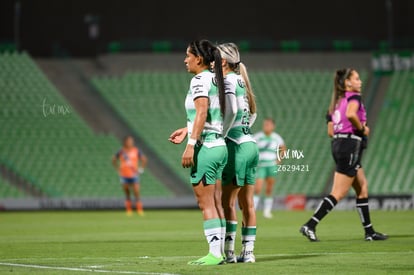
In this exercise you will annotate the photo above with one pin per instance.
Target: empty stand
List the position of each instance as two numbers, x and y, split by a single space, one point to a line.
47 143
389 161
7 190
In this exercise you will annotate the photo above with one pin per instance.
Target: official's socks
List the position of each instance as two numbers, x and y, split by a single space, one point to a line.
326 205
363 210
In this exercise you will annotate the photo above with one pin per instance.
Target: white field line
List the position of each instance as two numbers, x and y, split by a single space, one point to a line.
82 269
122 259
175 257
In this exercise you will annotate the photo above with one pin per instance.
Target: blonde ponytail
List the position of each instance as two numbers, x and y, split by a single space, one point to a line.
249 90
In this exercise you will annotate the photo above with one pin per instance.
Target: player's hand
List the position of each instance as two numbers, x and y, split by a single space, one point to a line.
188 156
366 131
178 135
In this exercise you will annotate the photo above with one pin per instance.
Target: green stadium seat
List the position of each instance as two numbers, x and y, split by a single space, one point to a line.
244 45
114 47
7 190
59 154
342 45
290 45
161 46
390 167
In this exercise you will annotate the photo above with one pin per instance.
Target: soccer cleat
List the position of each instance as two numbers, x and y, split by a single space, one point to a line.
376 236
267 215
210 259
129 213
309 233
246 257
230 257
140 213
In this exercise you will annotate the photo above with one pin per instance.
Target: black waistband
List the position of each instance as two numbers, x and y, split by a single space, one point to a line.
347 135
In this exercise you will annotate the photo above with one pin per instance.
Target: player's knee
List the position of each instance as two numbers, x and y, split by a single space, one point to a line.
338 195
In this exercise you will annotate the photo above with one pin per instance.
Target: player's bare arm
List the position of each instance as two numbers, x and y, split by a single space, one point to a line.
201 106
115 162
178 136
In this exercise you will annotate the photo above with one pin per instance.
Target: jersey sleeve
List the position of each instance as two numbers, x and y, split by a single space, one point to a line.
199 87
230 87
355 98
279 140
328 117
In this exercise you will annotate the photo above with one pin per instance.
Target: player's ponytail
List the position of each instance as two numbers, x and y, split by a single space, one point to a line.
210 54
339 86
230 52
218 70
249 90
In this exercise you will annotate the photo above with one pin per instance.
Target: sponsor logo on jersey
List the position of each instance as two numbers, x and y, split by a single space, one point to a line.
214 81
241 83
197 86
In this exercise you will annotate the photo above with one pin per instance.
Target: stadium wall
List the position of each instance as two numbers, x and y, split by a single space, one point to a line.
290 202
85 27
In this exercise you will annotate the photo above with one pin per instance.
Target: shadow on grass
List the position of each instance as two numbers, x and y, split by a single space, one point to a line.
286 257
402 236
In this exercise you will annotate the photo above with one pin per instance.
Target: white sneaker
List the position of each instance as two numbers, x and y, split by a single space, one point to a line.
246 257
267 215
230 257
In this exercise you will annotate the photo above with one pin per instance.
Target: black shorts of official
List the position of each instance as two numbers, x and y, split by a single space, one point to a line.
347 153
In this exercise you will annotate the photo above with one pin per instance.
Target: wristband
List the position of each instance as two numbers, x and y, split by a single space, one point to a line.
192 141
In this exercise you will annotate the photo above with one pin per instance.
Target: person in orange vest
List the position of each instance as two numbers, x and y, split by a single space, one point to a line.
130 163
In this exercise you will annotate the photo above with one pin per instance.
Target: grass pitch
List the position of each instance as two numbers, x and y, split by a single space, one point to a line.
163 242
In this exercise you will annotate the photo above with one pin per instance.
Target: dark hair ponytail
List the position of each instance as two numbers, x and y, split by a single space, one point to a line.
209 53
218 70
339 86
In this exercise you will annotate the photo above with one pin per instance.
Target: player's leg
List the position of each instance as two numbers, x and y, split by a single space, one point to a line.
139 207
258 188
268 202
207 169
247 175
128 203
219 206
360 186
229 199
204 194
246 202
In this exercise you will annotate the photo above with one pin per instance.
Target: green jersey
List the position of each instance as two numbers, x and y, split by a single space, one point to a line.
239 132
268 146
203 85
